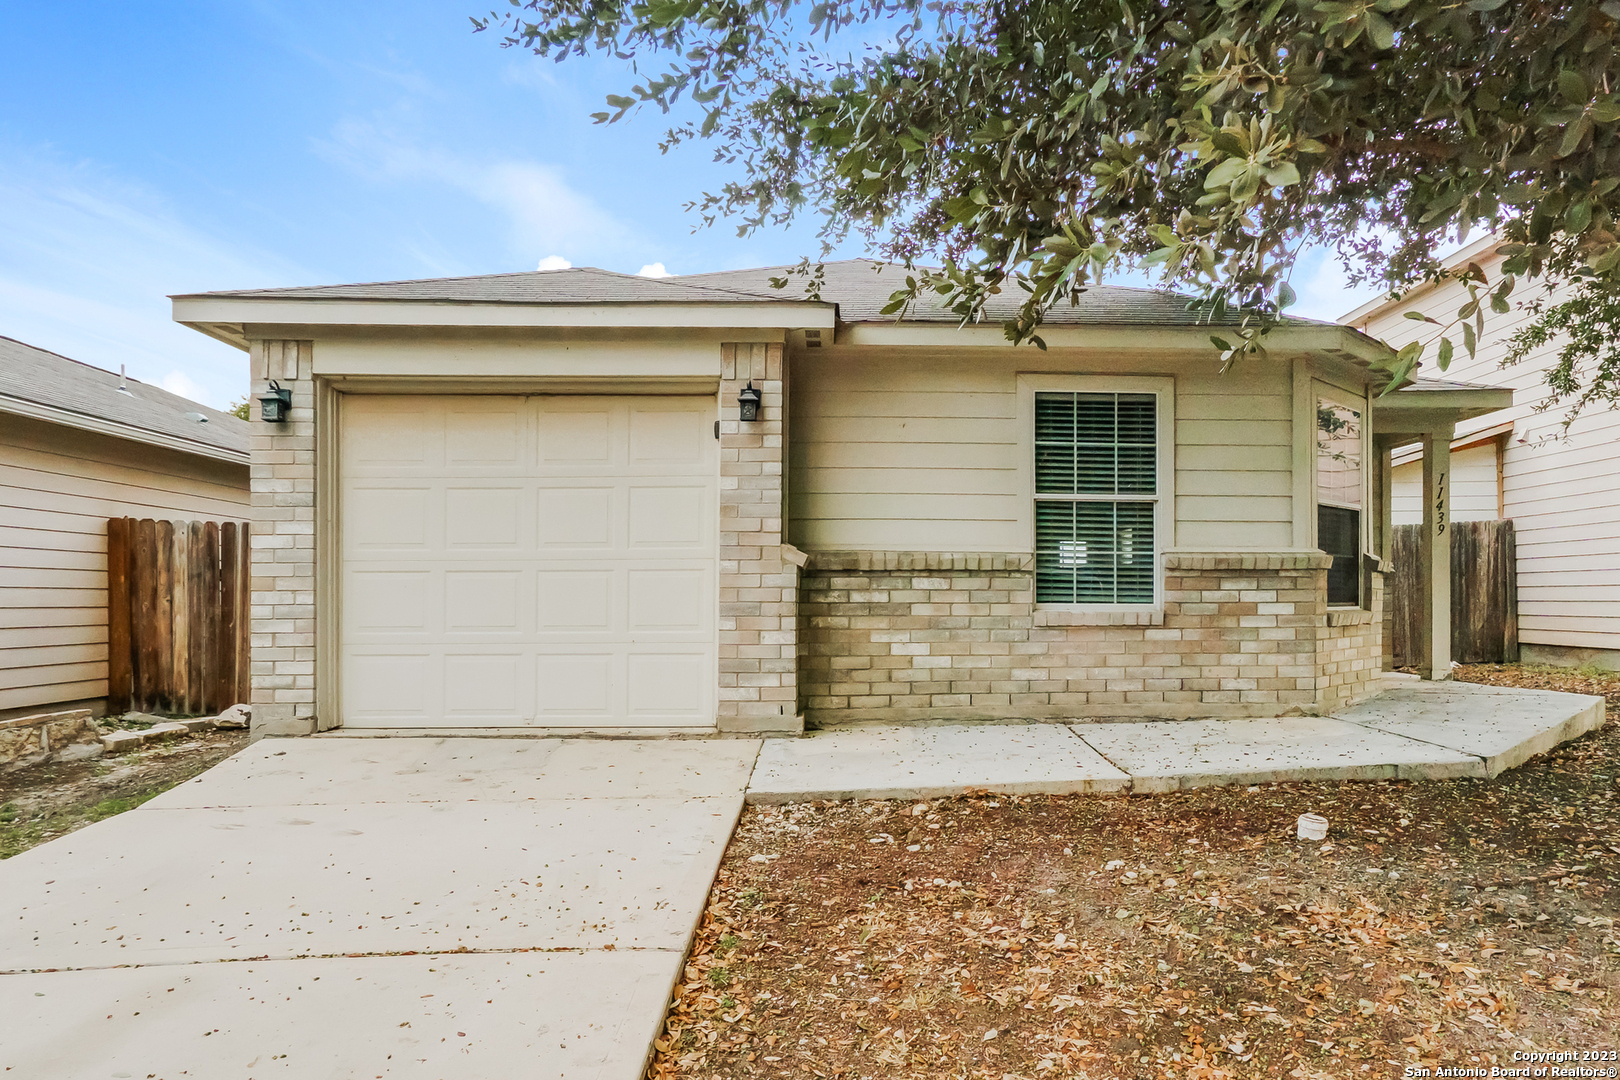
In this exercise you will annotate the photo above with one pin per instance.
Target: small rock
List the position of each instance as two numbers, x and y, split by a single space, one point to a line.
167 730
1115 864
119 742
237 716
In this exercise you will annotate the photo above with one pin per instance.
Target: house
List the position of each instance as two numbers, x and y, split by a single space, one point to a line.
537 500
79 445
1563 493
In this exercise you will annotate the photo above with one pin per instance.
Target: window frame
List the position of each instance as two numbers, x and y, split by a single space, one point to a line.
1323 392
1163 498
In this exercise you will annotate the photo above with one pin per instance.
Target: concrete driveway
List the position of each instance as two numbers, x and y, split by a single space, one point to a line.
347 907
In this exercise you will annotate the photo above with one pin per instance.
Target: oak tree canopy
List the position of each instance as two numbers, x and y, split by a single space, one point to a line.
1039 144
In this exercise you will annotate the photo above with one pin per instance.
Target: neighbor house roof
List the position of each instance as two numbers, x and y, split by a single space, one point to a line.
43 385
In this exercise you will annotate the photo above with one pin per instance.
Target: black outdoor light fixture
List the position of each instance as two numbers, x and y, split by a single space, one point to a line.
275 405
748 402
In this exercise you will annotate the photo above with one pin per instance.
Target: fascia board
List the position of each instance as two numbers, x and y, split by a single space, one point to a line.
33 410
236 311
1342 342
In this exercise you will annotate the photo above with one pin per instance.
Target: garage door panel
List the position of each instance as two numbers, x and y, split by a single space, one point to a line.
667 436
388 601
668 687
669 600
483 518
377 433
575 687
483 601
571 436
670 516
388 518
483 437
539 561
486 689
390 688
575 517
575 600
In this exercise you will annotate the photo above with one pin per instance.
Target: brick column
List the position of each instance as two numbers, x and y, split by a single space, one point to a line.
758 586
283 489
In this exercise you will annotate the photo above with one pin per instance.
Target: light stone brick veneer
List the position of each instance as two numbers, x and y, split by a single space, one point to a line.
900 636
283 490
758 587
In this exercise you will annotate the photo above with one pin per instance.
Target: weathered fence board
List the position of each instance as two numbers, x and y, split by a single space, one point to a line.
177 615
1484 593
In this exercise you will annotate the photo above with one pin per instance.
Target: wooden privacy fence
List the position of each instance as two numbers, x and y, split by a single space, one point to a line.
1484 593
177 615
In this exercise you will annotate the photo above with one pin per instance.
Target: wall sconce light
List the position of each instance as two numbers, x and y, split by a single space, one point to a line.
748 403
275 405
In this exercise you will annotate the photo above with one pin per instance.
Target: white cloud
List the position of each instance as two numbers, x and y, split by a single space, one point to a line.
542 210
554 262
86 258
178 382
653 270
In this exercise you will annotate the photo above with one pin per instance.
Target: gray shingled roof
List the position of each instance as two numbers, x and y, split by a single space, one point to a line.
860 288
580 285
41 377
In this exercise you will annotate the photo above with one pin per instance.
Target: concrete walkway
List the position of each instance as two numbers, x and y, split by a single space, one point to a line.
1413 731
362 907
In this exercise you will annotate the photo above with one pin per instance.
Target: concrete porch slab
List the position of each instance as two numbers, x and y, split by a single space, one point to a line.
1180 755
540 1014
1504 726
930 760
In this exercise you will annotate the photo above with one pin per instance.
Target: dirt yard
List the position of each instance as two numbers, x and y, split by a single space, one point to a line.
1187 936
42 802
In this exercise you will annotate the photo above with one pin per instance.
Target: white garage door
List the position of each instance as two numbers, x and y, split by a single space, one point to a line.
528 561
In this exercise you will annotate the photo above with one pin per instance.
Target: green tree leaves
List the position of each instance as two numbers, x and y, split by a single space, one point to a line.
1046 143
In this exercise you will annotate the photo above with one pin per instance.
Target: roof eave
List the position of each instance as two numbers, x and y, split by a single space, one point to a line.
34 410
225 317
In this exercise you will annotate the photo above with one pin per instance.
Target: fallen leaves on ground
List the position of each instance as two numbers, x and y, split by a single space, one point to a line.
1185 936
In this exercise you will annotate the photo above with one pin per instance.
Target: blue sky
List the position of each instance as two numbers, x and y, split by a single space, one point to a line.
149 149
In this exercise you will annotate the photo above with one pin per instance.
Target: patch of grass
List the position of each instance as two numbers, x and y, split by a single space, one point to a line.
20 831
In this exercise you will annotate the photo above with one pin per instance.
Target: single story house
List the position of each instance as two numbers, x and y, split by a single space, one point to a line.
1562 489
547 500
79 445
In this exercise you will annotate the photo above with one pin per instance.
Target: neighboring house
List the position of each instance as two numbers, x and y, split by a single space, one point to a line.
1562 494
530 500
79 445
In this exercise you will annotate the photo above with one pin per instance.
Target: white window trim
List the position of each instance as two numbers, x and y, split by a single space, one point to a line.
1164 499
1322 391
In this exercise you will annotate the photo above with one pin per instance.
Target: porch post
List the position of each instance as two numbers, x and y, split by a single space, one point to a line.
1434 555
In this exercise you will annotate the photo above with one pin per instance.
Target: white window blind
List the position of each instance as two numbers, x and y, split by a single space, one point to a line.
1096 486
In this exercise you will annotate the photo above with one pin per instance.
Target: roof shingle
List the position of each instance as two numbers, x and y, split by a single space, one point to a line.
38 376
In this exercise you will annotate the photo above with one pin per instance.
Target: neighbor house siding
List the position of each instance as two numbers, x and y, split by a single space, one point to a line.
922 454
1562 494
58 487
1473 487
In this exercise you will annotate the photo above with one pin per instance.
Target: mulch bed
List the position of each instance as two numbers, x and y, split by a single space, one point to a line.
1186 935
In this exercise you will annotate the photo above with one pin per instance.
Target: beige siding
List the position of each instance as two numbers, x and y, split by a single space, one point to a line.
1563 496
920 451
58 487
1473 487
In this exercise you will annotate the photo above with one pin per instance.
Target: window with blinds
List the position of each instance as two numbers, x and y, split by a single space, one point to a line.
1096 489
